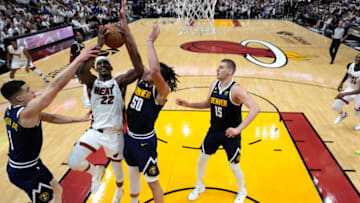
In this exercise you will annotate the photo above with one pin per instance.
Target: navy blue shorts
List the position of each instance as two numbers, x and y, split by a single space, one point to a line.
35 181
232 146
142 153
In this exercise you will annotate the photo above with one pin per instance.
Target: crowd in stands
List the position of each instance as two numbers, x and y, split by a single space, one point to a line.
18 18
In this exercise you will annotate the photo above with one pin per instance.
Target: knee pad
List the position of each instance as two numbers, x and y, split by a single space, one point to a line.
337 106
134 179
118 171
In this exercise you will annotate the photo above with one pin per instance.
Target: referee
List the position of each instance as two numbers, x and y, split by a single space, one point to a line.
337 37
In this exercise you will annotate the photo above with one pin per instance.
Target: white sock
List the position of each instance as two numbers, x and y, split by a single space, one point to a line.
39 73
239 177
201 168
11 79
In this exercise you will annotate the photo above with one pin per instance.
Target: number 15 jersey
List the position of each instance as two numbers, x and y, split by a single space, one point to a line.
107 104
224 112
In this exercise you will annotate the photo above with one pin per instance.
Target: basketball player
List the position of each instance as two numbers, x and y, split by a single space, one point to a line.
225 99
140 138
23 124
350 93
19 57
75 50
107 102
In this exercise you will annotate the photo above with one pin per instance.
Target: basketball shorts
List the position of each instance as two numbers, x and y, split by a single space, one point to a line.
142 153
111 140
20 64
35 181
232 146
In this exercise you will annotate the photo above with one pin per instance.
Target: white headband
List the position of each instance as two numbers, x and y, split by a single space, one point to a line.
100 58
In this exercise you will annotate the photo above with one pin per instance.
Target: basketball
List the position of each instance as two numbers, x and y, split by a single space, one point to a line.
114 39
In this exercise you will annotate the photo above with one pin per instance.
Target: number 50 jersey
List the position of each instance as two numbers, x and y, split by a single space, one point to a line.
107 104
143 109
224 112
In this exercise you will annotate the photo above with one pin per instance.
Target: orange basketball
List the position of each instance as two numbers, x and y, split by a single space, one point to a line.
114 39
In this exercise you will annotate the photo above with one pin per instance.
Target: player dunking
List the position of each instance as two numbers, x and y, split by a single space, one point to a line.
351 92
140 138
23 124
18 57
225 100
106 97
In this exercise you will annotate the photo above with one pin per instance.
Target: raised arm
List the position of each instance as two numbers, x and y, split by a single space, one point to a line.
240 96
161 85
30 116
136 73
199 105
85 76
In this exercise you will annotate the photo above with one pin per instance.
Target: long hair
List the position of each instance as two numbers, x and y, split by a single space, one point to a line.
169 76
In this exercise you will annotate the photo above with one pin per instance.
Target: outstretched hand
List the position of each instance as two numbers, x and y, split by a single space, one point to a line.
155 32
87 53
181 102
122 11
101 36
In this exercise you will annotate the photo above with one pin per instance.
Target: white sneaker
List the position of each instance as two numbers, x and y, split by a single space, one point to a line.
241 196
118 195
99 172
357 127
196 192
340 118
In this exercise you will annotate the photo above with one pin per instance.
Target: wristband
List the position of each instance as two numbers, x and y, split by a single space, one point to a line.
344 94
150 40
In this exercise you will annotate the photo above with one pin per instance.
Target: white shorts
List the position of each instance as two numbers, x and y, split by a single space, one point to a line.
20 64
111 140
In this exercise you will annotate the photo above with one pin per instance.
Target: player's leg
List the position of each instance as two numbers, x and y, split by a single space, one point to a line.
134 171
86 145
33 68
12 74
114 147
232 147
147 161
357 110
135 183
338 105
208 147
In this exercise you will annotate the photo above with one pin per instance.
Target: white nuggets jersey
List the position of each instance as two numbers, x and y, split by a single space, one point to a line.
107 104
353 77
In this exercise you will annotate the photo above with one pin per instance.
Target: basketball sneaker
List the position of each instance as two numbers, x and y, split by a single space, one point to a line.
357 127
241 196
118 195
99 172
196 192
340 118
46 80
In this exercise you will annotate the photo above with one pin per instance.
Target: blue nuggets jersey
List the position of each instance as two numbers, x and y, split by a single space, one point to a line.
143 109
224 113
24 143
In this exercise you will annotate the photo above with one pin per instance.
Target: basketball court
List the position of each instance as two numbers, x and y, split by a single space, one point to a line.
292 152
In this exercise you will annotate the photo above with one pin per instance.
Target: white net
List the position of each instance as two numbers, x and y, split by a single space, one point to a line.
196 16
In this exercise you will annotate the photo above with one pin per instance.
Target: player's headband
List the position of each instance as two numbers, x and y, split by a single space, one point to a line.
100 58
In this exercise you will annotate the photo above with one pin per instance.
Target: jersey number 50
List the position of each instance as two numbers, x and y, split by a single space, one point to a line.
136 103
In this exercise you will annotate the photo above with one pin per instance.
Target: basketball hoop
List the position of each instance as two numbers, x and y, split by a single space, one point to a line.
196 16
